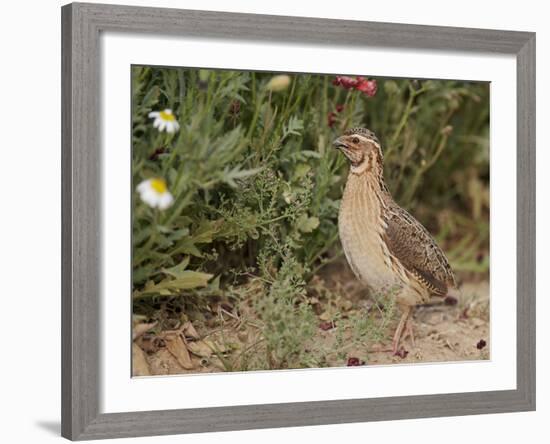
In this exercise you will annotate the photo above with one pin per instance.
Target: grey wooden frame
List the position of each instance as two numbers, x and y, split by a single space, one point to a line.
81 232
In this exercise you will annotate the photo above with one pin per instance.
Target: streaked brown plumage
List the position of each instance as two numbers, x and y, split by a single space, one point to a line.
386 247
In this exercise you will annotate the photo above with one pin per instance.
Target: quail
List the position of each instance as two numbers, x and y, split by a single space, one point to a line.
387 248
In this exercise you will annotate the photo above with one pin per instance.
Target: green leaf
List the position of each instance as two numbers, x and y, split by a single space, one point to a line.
139 274
229 176
178 270
178 234
295 126
141 235
186 246
205 232
307 224
187 280
151 98
301 170
309 153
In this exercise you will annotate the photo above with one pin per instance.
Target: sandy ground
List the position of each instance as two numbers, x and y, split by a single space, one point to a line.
443 332
447 333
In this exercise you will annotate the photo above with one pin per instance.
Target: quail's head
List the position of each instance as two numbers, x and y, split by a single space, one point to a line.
359 145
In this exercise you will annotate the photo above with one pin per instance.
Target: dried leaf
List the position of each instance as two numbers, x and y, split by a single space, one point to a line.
190 331
215 346
140 329
200 349
346 304
140 367
177 347
243 336
150 343
138 319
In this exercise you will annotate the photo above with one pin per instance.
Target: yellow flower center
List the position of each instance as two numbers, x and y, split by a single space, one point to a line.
159 185
167 115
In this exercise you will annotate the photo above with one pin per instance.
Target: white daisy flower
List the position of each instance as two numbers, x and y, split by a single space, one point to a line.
165 120
154 193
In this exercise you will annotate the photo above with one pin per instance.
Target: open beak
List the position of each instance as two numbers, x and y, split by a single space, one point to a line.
339 143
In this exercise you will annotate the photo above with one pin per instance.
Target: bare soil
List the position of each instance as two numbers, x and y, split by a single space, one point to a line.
447 333
444 331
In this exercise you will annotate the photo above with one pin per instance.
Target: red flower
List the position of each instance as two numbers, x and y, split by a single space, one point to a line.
369 87
339 108
345 81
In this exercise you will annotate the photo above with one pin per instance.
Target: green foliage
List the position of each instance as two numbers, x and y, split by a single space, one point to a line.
256 183
287 323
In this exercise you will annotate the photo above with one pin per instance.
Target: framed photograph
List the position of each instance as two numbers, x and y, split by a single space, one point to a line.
278 221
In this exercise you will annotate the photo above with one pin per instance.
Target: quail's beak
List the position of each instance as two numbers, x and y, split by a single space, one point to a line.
339 143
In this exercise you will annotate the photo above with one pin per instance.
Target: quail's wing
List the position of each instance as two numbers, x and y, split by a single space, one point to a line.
415 248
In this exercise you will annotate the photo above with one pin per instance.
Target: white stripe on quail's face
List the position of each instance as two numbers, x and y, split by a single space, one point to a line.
358 148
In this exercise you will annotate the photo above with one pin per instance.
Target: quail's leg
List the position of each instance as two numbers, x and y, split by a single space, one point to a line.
409 330
400 328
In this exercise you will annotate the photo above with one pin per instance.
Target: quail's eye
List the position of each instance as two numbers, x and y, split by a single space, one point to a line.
355 140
